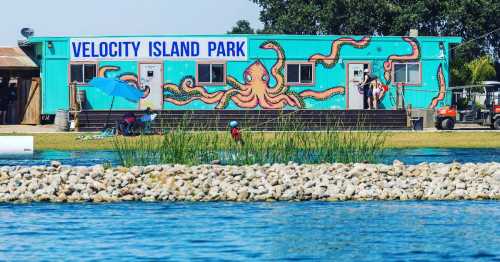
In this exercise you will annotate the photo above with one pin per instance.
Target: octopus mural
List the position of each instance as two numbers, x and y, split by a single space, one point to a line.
413 57
442 88
255 90
131 78
330 60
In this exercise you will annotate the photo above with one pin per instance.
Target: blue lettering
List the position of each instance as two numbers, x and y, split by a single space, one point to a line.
125 45
112 49
212 46
76 50
230 49
86 49
185 49
93 50
220 49
175 49
164 48
135 46
103 49
157 49
239 48
195 49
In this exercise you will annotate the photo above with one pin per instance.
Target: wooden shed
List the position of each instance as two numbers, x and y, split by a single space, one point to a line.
21 74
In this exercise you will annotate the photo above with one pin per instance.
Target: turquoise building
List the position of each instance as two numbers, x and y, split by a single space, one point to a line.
248 72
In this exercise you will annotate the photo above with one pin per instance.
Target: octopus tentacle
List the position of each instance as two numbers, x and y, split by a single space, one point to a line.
245 104
330 60
104 70
442 88
283 97
322 95
277 69
243 98
224 100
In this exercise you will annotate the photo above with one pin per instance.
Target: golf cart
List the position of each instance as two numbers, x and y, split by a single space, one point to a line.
475 104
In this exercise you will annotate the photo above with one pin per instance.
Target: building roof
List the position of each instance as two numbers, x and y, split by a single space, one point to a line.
15 58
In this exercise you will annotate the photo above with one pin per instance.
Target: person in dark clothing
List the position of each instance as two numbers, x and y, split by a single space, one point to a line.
4 99
126 127
367 91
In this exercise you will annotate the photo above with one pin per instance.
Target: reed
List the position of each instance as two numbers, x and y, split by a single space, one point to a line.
186 144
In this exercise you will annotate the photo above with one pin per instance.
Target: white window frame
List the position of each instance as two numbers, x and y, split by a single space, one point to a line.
83 64
419 82
211 63
300 63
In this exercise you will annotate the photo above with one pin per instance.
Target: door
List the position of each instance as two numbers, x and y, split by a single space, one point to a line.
355 77
151 77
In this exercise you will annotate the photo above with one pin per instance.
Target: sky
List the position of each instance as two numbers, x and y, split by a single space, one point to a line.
122 17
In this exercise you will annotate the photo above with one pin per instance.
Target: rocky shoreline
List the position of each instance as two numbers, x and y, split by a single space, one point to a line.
282 182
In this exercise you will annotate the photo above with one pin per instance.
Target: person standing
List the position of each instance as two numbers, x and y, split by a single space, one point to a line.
4 99
367 94
236 133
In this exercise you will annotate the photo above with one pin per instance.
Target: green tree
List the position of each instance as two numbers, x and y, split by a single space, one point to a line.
470 19
242 27
481 69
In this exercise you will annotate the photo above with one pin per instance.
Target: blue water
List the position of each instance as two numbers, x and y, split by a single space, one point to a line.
312 231
409 156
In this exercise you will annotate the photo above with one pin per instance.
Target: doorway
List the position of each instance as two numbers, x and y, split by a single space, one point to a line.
151 77
355 97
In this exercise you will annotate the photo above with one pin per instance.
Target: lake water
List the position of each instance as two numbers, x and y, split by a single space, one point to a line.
409 156
276 231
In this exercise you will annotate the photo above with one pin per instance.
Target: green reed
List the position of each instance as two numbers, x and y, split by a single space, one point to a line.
182 145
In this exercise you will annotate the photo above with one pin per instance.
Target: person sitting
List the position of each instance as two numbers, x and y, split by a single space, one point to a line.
236 133
146 120
128 123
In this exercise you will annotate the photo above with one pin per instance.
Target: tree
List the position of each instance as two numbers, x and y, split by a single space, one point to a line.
481 69
470 19
242 27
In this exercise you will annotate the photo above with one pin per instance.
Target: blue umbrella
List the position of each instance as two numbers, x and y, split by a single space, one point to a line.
115 87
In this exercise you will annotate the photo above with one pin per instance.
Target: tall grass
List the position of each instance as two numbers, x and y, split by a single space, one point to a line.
190 144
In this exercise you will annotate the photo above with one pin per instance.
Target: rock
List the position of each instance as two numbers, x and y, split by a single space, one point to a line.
136 171
349 190
55 164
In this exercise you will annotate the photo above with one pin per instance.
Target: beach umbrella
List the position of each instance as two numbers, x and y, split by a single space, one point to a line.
115 87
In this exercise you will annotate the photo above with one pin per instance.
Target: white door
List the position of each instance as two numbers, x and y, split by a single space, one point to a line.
151 78
355 77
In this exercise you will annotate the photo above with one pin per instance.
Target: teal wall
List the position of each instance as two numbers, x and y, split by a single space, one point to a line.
55 63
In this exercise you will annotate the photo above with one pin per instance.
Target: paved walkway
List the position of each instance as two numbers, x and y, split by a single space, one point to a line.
27 129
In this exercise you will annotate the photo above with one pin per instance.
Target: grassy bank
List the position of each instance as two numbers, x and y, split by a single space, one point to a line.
393 140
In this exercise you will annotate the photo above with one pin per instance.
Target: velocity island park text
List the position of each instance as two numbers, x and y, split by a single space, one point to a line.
83 49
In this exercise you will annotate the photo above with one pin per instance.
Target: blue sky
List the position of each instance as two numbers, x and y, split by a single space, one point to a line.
122 17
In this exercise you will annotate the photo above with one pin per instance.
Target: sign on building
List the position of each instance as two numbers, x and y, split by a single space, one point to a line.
163 48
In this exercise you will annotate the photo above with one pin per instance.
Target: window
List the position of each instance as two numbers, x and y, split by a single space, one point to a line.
211 73
299 74
82 73
408 73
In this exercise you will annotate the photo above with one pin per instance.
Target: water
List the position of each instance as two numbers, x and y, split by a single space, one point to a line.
314 231
409 156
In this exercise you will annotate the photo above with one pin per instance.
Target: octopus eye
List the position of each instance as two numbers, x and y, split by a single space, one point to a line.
265 77
248 77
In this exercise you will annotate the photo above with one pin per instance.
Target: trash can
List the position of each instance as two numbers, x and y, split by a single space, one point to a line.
417 123
61 120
